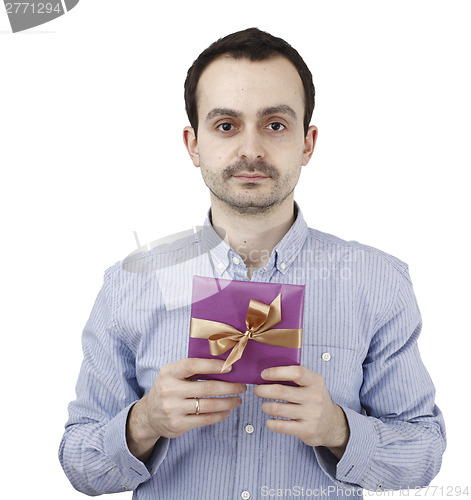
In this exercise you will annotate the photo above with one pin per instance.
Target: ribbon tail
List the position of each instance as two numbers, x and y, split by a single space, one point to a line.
236 353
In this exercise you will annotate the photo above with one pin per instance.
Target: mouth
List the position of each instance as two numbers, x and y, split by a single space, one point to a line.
250 177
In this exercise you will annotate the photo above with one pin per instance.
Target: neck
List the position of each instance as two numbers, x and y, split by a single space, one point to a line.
253 236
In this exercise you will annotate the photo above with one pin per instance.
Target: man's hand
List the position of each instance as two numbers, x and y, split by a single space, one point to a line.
314 418
169 408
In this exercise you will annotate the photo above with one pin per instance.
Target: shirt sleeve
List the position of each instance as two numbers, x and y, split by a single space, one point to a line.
93 451
398 440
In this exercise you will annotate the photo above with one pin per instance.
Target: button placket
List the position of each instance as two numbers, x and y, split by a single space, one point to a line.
247 441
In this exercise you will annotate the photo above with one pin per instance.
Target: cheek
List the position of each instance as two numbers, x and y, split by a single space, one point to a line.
214 159
289 156
290 145
212 151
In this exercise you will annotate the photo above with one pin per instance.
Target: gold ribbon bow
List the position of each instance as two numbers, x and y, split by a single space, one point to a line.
259 321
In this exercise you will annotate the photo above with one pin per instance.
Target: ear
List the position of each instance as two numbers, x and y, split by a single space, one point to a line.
191 144
309 144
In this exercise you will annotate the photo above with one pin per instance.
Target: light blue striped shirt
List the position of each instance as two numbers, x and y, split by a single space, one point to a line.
361 324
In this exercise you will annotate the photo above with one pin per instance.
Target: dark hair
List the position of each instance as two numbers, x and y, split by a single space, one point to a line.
255 45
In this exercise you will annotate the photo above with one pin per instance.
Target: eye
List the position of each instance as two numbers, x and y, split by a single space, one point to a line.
276 126
225 127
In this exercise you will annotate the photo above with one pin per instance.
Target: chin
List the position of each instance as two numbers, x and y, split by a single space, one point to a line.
251 206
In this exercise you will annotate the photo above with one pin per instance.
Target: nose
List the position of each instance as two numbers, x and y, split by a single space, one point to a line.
251 146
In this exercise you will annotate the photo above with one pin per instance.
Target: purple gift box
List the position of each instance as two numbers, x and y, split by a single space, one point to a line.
257 325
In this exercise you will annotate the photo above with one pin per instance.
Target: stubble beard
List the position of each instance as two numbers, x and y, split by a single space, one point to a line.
246 203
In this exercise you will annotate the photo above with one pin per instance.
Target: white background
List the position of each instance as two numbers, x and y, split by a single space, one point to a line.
91 119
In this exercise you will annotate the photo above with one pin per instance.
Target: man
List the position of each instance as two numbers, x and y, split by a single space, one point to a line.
362 413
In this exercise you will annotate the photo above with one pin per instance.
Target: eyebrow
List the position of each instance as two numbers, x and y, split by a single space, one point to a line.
271 110
214 113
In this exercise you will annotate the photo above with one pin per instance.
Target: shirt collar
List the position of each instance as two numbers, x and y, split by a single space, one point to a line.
292 242
218 249
282 256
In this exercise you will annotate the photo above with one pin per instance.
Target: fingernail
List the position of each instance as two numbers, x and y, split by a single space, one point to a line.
226 370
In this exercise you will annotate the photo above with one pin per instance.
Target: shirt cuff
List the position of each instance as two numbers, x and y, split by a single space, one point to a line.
363 441
134 472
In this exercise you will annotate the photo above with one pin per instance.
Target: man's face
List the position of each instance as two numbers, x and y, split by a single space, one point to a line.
251 143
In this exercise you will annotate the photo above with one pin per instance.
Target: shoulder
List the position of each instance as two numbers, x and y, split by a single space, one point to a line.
332 248
159 254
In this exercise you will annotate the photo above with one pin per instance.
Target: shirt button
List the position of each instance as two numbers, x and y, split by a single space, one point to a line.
220 265
245 495
249 429
236 261
283 266
326 356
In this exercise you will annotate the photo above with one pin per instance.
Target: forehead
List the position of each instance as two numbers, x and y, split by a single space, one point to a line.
249 85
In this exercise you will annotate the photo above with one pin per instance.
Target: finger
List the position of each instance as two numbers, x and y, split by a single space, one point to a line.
212 388
187 367
291 427
282 410
281 392
298 374
203 419
211 405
